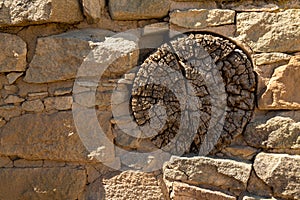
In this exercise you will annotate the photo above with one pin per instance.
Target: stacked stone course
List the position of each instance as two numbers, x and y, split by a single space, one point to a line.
43 44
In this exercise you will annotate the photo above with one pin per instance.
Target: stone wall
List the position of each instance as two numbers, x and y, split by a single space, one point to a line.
43 45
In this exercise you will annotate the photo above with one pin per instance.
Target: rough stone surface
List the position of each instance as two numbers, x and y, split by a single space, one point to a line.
238 151
5 162
134 10
182 191
10 111
201 18
225 174
51 137
270 58
270 32
13 99
70 49
24 12
132 185
12 77
33 106
281 172
256 198
93 9
59 103
67 50
41 183
258 187
282 88
12 52
275 133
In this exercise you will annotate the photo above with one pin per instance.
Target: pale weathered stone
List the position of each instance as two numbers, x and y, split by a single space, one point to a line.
281 172
13 99
37 95
201 18
222 173
282 88
135 10
60 88
5 162
70 49
41 183
22 163
62 91
275 133
270 32
270 58
67 50
10 111
93 9
54 136
182 191
58 103
33 106
12 52
132 185
12 77
24 12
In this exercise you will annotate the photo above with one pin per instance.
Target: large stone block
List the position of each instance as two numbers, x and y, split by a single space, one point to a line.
16 12
93 9
270 32
275 133
282 88
138 9
132 185
41 183
201 18
281 172
42 136
12 53
59 57
225 174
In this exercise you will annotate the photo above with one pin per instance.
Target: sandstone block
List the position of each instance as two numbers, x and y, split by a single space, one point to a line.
135 10
175 5
41 183
274 133
33 106
13 99
59 103
132 185
67 50
93 9
12 77
270 58
70 49
281 172
10 111
181 191
270 32
54 137
12 52
282 88
24 12
201 18
222 173
5 162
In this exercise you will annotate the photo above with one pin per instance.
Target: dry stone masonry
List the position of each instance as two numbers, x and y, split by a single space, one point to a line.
243 56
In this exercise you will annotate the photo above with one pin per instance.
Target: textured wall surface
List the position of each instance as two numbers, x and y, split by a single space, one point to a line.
44 43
